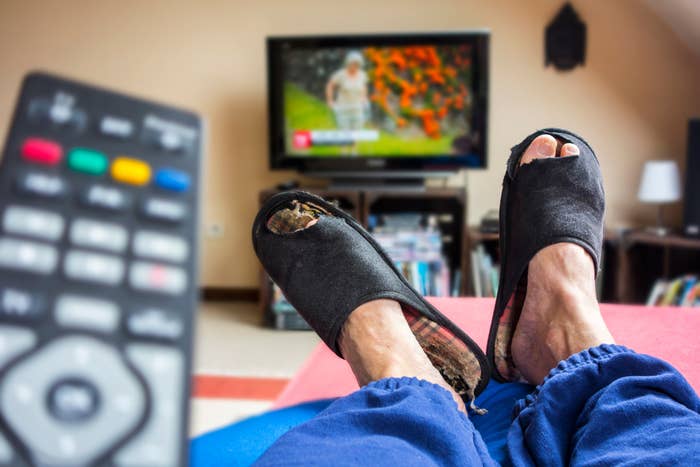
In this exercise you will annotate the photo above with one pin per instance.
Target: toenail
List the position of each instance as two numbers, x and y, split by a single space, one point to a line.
547 147
570 150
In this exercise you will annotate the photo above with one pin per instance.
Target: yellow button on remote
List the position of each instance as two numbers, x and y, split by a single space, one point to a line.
131 171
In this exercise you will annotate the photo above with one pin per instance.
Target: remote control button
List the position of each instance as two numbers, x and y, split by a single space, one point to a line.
73 400
87 161
93 267
87 313
158 443
155 245
42 185
105 197
20 304
42 151
98 235
6 452
27 256
155 323
161 209
172 180
151 277
170 141
32 222
131 171
59 111
14 341
168 135
61 427
116 127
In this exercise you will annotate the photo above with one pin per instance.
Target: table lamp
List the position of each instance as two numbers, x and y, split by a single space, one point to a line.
660 185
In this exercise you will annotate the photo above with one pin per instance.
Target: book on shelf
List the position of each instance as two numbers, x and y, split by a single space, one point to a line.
415 244
681 291
476 274
485 272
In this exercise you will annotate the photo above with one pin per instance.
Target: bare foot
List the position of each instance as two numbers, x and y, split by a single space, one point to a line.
560 315
377 343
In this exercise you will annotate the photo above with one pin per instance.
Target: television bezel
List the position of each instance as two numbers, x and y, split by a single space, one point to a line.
279 159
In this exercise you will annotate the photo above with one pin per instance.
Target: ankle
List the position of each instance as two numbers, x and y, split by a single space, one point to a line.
576 324
560 316
377 342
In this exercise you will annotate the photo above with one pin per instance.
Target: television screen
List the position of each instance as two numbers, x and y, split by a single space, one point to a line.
416 101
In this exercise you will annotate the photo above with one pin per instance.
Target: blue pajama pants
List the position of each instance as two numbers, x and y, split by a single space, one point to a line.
604 406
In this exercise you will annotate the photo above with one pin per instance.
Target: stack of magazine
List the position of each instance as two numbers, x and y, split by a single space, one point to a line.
415 244
485 273
681 291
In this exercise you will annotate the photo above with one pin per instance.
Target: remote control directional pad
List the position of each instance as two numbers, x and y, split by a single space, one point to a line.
72 400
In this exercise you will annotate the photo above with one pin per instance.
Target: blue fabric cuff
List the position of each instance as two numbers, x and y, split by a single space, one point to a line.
390 384
393 384
594 355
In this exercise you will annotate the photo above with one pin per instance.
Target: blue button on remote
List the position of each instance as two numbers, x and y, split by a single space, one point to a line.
172 180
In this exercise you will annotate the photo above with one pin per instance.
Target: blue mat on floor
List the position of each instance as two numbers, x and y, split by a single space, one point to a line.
241 443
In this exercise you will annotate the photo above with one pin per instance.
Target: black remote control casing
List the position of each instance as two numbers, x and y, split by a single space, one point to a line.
98 277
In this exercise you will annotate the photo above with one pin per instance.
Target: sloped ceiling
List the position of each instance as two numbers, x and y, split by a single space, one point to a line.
683 17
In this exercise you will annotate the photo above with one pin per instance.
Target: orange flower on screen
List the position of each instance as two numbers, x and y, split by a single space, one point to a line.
419 85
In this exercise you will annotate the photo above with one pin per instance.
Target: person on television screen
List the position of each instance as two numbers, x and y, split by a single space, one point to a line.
346 94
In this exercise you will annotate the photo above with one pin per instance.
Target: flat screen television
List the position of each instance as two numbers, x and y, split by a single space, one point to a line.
387 105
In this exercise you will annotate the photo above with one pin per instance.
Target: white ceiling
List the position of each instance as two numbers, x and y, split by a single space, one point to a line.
683 16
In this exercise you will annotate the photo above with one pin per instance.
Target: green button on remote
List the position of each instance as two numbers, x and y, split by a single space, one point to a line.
88 161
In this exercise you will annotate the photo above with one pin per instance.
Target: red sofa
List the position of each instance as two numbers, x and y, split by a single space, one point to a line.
670 333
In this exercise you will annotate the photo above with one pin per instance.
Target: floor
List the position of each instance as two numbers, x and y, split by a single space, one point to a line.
239 366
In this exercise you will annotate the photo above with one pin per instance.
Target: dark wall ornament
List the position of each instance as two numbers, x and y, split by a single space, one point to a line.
565 40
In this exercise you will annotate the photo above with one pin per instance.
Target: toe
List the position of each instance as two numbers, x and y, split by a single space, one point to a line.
569 149
541 147
293 218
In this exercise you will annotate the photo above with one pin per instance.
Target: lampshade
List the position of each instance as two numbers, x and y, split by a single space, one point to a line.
661 182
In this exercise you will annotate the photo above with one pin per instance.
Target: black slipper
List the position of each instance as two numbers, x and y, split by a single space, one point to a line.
327 265
546 201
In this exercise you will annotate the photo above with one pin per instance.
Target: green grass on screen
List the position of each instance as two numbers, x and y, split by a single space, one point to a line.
306 112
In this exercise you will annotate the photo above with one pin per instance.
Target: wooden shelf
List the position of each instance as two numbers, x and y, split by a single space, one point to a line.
671 240
633 260
475 235
643 257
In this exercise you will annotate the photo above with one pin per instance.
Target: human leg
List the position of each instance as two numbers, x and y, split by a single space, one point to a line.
597 403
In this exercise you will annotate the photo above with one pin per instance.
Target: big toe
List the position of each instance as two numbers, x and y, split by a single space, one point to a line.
541 147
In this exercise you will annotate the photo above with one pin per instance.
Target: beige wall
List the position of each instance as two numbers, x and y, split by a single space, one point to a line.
631 100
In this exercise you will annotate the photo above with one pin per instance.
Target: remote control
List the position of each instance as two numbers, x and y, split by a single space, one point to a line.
98 255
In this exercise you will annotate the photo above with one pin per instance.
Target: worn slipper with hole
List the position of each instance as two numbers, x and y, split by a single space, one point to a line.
546 201
327 265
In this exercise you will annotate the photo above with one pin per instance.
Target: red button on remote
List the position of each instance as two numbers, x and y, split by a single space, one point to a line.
42 151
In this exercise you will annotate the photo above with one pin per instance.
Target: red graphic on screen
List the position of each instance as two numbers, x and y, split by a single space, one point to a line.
302 139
